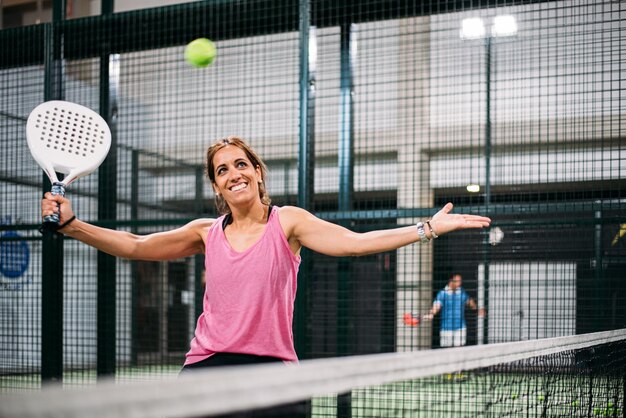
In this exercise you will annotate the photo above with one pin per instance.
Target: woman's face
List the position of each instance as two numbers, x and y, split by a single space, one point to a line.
235 177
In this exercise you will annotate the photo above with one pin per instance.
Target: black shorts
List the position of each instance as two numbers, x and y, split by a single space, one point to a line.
229 359
293 410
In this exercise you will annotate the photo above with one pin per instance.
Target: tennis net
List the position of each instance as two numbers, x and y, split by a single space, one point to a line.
575 376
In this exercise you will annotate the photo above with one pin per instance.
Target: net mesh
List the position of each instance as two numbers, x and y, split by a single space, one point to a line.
578 376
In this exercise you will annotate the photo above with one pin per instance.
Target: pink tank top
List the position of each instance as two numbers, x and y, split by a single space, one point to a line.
249 296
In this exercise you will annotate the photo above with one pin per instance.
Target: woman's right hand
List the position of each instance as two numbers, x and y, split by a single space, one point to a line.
51 204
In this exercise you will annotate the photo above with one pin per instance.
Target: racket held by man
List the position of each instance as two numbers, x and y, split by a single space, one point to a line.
414 319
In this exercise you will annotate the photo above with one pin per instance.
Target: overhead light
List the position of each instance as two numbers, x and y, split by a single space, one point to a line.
312 49
472 28
504 26
473 188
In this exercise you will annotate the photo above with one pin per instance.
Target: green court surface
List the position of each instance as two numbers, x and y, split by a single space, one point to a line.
78 378
486 395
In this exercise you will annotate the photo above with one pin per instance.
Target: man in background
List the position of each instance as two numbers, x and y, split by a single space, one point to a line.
451 302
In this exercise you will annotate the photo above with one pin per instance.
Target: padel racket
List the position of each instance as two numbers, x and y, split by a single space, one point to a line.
68 138
413 319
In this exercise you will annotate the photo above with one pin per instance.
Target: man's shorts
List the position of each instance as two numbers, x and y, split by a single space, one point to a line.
455 338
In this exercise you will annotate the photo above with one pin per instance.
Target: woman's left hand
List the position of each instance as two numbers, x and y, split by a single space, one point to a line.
444 221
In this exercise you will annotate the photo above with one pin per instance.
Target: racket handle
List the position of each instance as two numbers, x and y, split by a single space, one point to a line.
53 220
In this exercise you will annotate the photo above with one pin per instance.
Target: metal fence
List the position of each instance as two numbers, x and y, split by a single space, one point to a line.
370 114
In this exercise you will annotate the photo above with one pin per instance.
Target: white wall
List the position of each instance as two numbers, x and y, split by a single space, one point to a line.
527 301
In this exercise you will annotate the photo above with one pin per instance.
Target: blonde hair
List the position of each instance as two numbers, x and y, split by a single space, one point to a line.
220 203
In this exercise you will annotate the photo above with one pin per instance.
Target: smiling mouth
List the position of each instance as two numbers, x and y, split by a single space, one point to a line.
238 187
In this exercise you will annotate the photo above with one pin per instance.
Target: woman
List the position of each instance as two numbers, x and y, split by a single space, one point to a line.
252 256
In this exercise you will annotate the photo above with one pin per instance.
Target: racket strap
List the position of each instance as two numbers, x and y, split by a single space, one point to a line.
66 223
47 226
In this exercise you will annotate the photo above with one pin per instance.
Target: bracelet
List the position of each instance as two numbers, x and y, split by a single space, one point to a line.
73 218
432 231
421 232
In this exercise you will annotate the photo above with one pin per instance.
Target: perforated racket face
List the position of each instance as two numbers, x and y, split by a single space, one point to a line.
67 138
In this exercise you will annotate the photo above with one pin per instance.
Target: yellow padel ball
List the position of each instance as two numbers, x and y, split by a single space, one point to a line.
200 52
